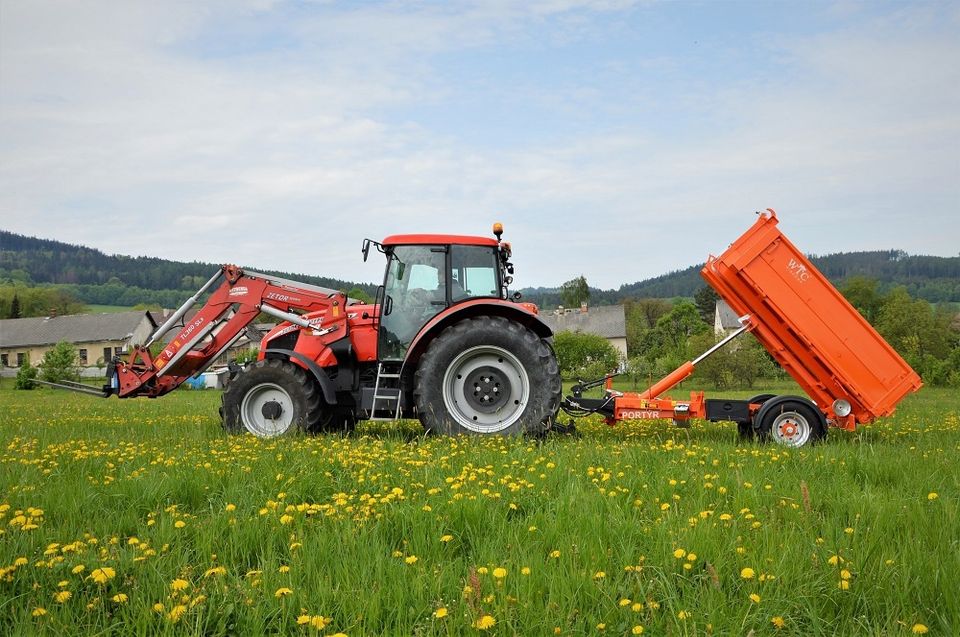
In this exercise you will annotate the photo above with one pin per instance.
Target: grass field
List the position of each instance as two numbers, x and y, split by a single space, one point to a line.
142 517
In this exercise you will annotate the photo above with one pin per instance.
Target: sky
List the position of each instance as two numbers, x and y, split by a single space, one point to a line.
614 139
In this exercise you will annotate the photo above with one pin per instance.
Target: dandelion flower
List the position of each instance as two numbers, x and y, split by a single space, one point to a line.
79 568
919 629
103 574
747 573
411 559
119 598
499 572
754 598
601 627
624 602
158 608
440 613
176 613
679 554
446 538
303 620
599 575
62 596
683 615
525 570
179 585
282 592
230 507
554 554
933 495
778 622
637 630
216 570
319 622
179 524
39 611
485 623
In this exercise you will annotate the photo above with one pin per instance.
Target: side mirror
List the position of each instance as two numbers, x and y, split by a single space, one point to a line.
366 249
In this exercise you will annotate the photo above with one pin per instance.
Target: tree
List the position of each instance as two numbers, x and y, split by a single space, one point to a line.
60 363
641 317
584 355
706 301
15 307
25 377
668 340
575 292
862 294
356 293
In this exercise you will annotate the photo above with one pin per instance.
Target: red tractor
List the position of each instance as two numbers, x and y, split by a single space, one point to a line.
443 342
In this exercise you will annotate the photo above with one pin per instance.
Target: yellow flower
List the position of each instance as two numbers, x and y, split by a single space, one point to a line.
411 559
179 524
179 585
282 592
624 602
843 585
79 568
833 559
230 507
484 623
637 630
158 608
446 538
176 613
679 554
599 575
601 627
119 598
754 598
919 629
499 572
440 613
637 607
216 570
844 574
283 569
525 570
778 622
931 496
747 573
62 596
319 622
683 615
39 611
483 570
302 620
103 574
555 554
691 557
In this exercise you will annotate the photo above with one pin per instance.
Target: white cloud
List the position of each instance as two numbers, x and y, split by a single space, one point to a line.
279 136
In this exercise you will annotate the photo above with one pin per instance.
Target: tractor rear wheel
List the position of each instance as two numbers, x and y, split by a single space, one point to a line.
488 375
270 398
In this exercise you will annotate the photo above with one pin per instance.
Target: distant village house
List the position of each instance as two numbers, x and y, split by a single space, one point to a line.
608 321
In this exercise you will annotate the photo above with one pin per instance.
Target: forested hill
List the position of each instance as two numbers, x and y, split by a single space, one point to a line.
935 279
98 278
95 277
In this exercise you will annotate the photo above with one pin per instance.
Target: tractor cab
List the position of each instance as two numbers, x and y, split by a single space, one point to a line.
428 273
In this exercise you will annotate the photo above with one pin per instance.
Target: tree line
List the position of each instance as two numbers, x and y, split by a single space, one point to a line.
663 334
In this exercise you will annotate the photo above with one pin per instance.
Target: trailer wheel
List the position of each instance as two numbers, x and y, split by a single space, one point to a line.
790 421
745 429
487 375
270 398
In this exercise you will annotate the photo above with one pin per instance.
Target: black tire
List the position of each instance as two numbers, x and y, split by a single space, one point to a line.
791 421
270 398
745 429
513 374
333 422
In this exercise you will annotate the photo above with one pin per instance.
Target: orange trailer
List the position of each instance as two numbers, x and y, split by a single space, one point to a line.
851 374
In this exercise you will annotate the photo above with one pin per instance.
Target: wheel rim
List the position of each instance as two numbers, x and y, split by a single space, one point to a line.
267 410
486 389
790 429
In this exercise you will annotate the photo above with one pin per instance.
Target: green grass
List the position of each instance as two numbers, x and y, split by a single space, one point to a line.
114 478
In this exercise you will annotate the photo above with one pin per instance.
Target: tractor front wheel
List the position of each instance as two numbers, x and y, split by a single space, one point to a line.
487 375
270 398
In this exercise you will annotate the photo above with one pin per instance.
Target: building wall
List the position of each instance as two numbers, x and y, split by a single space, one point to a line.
35 354
621 345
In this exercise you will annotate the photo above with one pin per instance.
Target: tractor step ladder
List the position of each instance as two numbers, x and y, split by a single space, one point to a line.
387 391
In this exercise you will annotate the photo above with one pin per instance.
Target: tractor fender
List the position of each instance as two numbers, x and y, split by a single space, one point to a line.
326 385
469 309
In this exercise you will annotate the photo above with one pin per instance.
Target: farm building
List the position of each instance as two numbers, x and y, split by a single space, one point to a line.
724 319
608 321
97 337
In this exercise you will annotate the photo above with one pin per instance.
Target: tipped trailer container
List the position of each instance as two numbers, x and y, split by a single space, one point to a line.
850 373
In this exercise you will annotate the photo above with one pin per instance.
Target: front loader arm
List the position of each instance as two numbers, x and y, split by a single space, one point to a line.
222 320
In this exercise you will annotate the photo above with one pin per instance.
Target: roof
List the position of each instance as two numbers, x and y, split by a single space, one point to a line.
608 321
728 318
73 328
438 239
